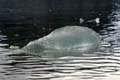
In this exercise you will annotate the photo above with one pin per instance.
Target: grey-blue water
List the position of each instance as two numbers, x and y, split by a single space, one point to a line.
101 65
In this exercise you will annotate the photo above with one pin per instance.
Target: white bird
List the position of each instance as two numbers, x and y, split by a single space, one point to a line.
96 20
81 20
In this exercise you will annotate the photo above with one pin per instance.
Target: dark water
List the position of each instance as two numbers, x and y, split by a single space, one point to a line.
102 65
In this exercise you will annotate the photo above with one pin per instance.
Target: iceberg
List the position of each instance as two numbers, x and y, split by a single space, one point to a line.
65 39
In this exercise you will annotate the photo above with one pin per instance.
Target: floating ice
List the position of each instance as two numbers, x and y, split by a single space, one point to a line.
68 39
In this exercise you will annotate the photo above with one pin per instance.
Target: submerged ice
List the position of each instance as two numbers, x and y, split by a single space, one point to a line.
68 38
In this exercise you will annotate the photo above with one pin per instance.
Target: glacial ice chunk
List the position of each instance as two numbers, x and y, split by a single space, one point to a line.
68 38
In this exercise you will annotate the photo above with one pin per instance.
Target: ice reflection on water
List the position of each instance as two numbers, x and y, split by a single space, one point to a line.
103 65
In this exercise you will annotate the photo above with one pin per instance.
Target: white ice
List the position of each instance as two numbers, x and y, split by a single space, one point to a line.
68 38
